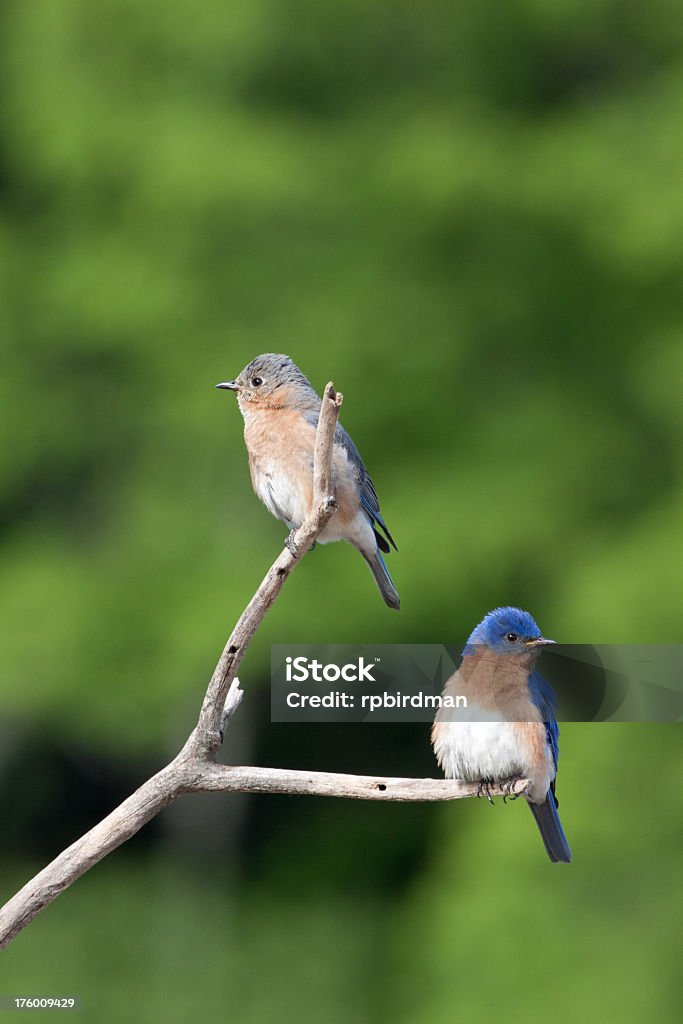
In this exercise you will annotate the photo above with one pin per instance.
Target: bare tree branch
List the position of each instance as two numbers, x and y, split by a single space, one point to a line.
221 778
194 769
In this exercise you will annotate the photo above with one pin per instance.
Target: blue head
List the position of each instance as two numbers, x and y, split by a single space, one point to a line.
507 631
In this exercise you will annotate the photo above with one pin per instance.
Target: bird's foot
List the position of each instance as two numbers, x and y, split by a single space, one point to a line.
292 545
485 788
290 542
508 786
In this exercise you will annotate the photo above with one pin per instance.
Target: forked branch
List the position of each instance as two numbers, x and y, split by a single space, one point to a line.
194 769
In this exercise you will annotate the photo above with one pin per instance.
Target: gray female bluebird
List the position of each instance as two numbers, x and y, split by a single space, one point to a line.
281 410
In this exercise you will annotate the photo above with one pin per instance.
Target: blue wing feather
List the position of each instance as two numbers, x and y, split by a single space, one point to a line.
368 495
543 697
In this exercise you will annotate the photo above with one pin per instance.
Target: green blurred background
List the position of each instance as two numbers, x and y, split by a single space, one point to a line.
470 217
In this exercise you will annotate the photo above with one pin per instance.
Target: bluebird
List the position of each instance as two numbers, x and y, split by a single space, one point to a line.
281 410
511 731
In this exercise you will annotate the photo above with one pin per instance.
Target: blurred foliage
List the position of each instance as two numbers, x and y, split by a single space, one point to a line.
470 218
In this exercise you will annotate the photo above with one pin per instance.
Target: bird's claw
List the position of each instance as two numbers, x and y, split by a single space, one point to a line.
485 789
290 543
508 786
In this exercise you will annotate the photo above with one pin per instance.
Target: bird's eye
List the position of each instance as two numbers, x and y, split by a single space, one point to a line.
257 381
512 637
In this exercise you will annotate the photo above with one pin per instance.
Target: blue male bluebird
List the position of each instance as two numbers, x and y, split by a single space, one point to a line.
511 731
281 410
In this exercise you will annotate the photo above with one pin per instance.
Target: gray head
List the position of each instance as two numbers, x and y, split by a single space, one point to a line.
272 380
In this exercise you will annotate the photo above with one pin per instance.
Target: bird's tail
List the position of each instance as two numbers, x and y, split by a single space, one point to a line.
550 827
383 579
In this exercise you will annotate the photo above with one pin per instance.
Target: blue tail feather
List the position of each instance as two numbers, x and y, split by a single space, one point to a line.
550 827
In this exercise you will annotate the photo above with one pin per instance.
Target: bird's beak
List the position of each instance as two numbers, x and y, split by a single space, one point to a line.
539 641
229 385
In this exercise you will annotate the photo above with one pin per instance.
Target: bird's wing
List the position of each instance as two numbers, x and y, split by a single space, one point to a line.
543 697
368 494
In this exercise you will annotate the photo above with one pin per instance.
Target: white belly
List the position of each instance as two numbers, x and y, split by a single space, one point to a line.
284 499
495 750
476 750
